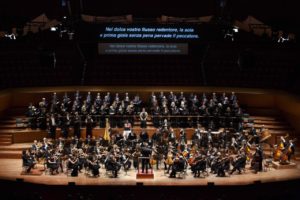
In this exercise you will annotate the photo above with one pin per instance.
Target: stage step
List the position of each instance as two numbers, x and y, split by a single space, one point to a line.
6 122
5 139
6 131
10 154
266 118
271 126
10 126
16 147
297 157
5 143
268 122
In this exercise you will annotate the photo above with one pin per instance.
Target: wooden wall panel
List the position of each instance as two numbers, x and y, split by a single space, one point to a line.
5 101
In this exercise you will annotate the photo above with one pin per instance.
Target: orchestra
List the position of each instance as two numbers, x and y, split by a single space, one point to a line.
219 144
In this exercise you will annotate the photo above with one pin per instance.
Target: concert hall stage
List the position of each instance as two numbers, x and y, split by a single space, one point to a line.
11 170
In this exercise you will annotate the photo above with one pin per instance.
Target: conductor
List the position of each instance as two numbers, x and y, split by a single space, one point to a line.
146 152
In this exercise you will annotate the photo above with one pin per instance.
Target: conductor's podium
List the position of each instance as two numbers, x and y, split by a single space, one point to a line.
144 175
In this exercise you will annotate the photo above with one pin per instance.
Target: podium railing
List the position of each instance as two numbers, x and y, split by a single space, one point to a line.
148 163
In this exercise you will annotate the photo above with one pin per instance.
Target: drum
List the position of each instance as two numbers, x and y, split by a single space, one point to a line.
265 135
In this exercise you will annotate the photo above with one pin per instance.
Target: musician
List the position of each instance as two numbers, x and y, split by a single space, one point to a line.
262 129
76 106
126 100
136 156
165 125
65 125
239 162
214 160
196 137
198 165
77 125
171 136
234 144
174 112
43 104
42 120
127 128
214 98
182 136
130 112
89 125
233 98
84 108
98 101
66 102
125 160
35 146
118 137
52 163
33 114
254 134
137 103
284 150
178 165
77 95
222 165
53 126
107 98
88 100
246 149
111 164
73 165
157 137
94 165
143 118
181 96
156 115
28 160
291 149
165 110
257 160
46 145
144 137
54 103
131 136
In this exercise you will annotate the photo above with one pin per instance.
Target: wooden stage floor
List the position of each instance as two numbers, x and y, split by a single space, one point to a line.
11 170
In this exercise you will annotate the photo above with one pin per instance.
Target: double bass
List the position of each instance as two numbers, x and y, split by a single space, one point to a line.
169 159
278 151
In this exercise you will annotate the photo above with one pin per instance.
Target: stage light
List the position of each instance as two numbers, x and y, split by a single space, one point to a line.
229 35
11 36
53 29
235 29
282 37
71 35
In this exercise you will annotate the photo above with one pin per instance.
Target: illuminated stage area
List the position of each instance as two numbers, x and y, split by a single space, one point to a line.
11 170
272 184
